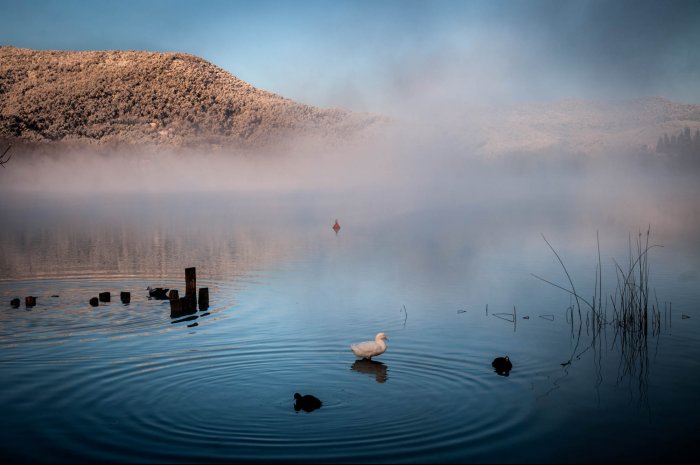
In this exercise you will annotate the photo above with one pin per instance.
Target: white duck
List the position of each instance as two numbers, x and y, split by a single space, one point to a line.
369 349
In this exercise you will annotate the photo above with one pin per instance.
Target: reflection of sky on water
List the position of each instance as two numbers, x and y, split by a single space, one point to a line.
477 246
288 296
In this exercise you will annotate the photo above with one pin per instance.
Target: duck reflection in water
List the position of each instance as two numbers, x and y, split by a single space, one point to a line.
307 403
371 367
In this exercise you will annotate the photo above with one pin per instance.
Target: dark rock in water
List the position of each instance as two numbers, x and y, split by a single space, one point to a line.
158 292
30 301
15 302
94 302
105 297
125 297
502 365
307 403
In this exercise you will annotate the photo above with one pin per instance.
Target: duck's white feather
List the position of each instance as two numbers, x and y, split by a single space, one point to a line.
370 349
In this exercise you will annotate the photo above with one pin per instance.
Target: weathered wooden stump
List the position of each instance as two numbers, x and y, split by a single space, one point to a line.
94 302
30 301
105 297
191 284
125 297
175 305
190 303
203 298
15 302
181 307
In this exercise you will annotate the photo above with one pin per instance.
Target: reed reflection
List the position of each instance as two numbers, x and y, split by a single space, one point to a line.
635 318
372 368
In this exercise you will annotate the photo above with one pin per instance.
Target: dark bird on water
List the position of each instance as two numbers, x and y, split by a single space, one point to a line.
158 292
307 403
502 365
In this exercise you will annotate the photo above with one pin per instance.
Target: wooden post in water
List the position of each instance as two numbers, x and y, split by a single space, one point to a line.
190 281
180 307
175 304
191 288
105 296
30 301
191 303
15 302
94 302
126 297
173 294
203 298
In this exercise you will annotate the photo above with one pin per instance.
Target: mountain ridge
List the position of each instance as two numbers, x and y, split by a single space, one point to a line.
113 99
148 98
590 127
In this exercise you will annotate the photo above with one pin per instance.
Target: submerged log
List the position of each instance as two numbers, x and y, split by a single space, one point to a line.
203 298
94 302
125 297
15 302
30 301
105 297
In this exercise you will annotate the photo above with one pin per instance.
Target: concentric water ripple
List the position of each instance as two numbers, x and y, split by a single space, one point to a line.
226 392
128 383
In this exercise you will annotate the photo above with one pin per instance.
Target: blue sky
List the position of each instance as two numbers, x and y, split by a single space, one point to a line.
373 55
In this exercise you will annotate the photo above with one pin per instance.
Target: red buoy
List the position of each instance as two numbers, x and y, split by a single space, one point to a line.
336 227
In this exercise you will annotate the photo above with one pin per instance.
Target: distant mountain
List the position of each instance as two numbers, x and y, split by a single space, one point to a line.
162 99
175 100
583 127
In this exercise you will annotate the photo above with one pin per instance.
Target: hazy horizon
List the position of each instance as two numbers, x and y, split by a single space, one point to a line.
428 64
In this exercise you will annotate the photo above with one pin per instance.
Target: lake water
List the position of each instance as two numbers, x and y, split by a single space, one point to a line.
445 270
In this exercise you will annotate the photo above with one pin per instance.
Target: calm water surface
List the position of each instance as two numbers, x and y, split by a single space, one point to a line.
439 271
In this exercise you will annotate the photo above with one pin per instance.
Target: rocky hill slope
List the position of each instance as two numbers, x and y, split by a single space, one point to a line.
163 99
175 100
584 127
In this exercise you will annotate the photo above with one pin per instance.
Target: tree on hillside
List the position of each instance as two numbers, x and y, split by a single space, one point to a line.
4 158
684 146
